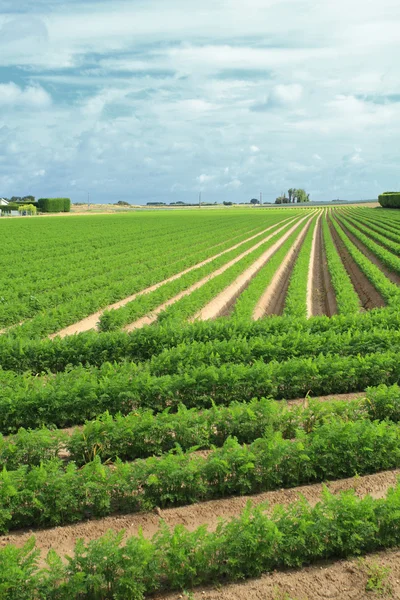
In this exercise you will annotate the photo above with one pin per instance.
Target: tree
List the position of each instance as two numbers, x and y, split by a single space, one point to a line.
28 199
291 192
254 201
282 199
27 209
300 196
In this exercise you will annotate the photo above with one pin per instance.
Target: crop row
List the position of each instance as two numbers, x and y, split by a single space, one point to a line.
49 286
92 348
39 280
116 318
65 305
387 258
373 227
347 299
49 494
246 303
183 357
79 394
113 568
296 297
389 291
143 433
189 306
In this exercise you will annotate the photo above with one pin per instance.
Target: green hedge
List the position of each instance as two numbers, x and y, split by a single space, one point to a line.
54 204
390 200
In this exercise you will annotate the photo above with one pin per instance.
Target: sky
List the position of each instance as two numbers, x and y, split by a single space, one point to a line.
150 100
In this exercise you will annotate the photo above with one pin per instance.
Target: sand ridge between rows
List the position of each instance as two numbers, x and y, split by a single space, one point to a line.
214 308
91 321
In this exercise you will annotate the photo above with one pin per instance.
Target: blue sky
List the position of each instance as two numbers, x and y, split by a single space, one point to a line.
151 100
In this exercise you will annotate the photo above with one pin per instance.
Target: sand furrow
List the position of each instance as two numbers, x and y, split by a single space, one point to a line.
221 303
310 279
368 294
152 317
273 298
91 321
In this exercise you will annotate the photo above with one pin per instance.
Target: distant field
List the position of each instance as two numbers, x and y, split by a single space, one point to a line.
146 360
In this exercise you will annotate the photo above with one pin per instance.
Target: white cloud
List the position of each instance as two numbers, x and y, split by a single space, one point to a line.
31 96
203 178
286 95
235 184
144 105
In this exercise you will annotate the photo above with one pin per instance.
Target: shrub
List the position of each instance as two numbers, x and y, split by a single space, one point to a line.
54 204
390 200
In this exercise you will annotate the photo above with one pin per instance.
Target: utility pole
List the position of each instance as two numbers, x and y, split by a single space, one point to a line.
199 199
260 197
88 200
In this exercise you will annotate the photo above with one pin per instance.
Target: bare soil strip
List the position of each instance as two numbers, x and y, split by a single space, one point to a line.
63 539
394 277
328 580
368 294
311 276
222 303
91 321
152 317
323 298
272 301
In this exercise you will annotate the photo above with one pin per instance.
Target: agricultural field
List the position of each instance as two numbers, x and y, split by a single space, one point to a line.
201 404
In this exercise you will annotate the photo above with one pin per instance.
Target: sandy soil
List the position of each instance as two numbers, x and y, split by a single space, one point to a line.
394 277
63 539
152 317
91 321
368 294
272 300
323 298
341 580
311 269
223 301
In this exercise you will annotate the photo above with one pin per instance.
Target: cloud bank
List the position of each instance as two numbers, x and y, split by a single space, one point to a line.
146 101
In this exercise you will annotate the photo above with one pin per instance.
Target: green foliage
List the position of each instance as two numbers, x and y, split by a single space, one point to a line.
54 205
389 200
246 303
244 547
387 258
265 339
77 267
378 575
82 393
389 290
347 299
143 433
49 494
144 304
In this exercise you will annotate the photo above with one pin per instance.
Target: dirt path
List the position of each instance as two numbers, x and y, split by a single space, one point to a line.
310 279
272 301
368 294
152 317
393 277
321 292
328 580
63 539
91 321
222 303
